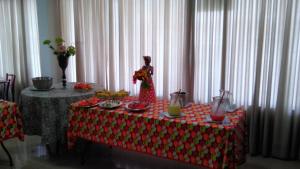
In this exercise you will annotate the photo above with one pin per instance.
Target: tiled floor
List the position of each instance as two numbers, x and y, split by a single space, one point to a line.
30 155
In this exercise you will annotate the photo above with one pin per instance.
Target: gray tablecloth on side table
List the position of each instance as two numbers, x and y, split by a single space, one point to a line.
45 112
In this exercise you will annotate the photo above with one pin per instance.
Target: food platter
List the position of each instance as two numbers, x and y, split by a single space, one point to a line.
110 104
110 95
92 102
83 87
136 106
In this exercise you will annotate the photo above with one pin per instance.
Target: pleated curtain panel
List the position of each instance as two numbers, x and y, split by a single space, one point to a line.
19 41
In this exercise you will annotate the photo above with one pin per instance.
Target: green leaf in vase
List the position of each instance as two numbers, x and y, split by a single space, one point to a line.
59 40
46 42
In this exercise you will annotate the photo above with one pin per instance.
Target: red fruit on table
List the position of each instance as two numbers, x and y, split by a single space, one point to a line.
82 103
82 86
137 105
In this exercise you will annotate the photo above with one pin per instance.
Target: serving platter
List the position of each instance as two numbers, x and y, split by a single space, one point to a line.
136 106
92 102
110 104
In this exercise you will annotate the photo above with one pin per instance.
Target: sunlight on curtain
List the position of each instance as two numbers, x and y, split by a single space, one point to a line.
241 49
287 124
272 54
68 34
32 37
19 43
91 31
262 71
254 58
114 35
150 20
209 22
6 38
294 58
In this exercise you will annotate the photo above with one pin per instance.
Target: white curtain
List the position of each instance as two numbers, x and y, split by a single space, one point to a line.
112 36
67 28
208 41
262 65
251 48
19 42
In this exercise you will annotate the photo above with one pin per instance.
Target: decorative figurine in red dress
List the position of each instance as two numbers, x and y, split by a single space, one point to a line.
147 91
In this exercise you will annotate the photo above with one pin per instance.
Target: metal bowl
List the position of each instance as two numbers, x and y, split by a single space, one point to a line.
42 83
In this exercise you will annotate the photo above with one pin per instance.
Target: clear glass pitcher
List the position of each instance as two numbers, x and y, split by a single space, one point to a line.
219 107
181 96
174 106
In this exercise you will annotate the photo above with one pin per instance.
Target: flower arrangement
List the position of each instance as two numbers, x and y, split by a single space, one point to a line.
141 75
61 49
63 53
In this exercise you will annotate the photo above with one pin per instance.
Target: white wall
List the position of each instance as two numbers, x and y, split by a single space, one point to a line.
48 21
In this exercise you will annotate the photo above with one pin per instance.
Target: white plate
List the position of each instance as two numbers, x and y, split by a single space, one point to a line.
172 117
110 104
35 89
135 110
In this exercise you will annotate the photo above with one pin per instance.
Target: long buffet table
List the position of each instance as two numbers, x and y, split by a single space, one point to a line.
191 138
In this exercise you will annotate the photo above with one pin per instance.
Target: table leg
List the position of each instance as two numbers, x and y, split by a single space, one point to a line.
58 148
49 150
84 152
6 151
53 149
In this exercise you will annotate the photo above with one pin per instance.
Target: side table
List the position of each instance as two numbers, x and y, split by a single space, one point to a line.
45 112
10 124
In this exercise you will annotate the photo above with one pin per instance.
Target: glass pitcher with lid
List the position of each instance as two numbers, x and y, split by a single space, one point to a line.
175 106
221 103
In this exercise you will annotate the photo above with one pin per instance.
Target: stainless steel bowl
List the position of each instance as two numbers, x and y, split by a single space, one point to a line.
42 83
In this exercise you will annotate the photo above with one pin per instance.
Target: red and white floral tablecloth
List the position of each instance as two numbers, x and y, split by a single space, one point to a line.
188 139
10 121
